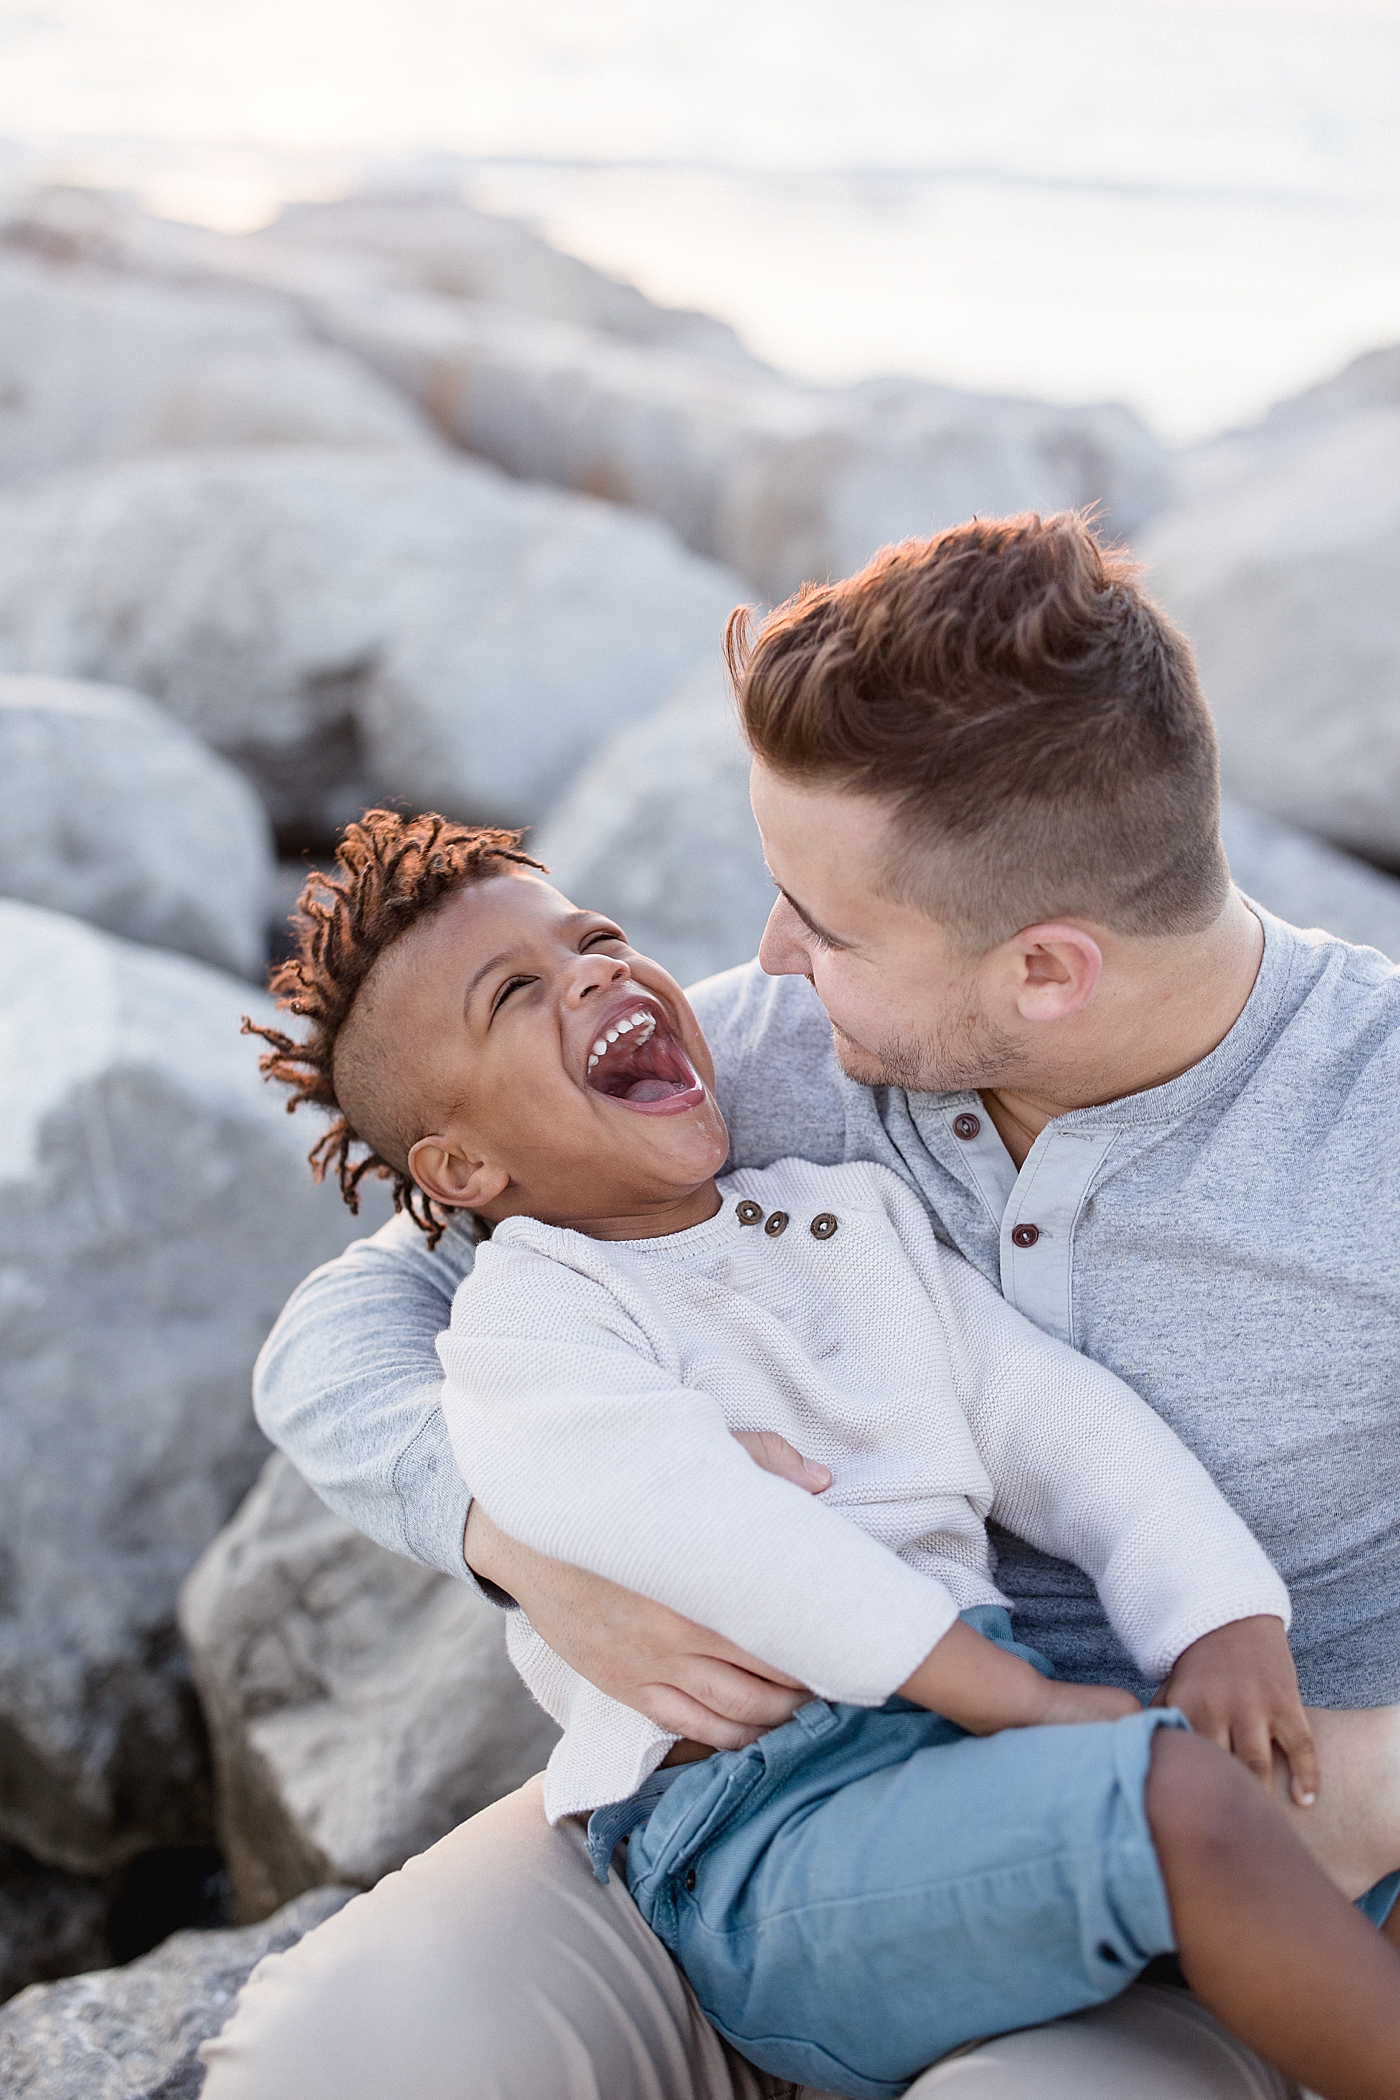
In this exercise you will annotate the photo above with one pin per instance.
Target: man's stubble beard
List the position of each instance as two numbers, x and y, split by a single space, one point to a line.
967 1055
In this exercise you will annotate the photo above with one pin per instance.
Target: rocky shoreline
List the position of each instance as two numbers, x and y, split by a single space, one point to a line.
394 500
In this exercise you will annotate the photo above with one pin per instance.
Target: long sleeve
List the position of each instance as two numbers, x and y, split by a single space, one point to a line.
1083 1469
348 1384
583 1442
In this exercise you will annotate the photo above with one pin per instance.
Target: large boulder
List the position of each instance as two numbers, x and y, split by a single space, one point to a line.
782 482
116 814
441 243
93 364
658 833
344 624
1287 580
360 1706
155 1211
134 2033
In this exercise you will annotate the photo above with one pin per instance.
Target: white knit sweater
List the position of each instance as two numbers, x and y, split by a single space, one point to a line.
592 1387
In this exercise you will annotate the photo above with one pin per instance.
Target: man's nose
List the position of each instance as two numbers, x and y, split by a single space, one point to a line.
781 952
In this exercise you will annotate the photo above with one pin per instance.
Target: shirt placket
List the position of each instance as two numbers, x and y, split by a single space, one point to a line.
1037 1209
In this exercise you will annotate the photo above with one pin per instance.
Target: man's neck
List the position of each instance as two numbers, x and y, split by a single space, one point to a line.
1161 1010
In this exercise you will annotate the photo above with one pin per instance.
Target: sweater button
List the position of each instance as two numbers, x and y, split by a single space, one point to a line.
1024 1235
966 1126
690 1882
823 1225
776 1224
748 1212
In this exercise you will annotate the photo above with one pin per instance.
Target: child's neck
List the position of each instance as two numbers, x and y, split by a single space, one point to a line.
654 1220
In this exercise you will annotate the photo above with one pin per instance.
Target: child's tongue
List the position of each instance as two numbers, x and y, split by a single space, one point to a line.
651 1090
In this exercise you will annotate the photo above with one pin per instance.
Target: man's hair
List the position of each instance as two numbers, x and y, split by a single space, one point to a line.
390 873
1031 717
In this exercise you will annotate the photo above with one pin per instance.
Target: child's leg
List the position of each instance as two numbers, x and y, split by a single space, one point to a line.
1264 1937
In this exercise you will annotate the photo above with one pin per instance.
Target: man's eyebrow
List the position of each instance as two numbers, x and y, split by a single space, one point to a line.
813 925
484 971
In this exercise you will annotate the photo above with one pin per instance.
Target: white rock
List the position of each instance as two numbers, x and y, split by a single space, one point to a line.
93 364
360 1706
134 2033
1287 580
155 1211
443 244
116 814
659 834
1310 883
779 481
348 623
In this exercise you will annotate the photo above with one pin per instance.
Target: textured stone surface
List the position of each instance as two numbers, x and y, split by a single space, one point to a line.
155 1211
134 2033
658 832
92 363
1287 580
116 814
352 623
360 1706
51 1923
781 482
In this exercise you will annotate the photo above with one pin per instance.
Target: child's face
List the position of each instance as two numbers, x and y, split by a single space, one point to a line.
503 999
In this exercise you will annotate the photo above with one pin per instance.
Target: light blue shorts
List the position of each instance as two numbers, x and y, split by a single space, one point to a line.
862 1891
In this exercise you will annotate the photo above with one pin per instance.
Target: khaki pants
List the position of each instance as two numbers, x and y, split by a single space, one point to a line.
495 1967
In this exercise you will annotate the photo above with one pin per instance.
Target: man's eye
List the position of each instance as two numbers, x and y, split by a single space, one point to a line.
512 984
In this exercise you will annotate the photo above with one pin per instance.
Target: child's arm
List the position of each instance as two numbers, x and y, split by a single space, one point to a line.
982 1687
1084 1469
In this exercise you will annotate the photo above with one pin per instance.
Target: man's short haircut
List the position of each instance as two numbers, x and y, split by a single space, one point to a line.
390 873
1031 717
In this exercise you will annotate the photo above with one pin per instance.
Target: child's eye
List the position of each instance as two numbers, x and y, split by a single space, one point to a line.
512 984
604 933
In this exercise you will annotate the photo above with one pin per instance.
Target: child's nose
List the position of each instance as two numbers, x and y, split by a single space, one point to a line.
595 973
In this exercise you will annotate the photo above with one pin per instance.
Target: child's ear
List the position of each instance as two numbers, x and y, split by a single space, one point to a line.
451 1178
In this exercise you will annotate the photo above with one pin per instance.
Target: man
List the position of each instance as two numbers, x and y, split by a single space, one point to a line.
1006 961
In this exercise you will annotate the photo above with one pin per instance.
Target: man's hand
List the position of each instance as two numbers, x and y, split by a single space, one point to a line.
1238 1686
689 1681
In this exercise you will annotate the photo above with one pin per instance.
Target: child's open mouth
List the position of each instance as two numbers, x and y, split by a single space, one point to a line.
636 1061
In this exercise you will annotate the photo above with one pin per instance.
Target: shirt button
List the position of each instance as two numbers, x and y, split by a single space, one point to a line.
966 1126
1024 1235
747 1212
690 1882
776 1224
823 1225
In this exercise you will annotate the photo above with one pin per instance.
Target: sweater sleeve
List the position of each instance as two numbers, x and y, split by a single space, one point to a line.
1082 1468
580 1442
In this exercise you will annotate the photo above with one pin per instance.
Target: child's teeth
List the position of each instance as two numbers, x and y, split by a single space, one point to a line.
625 1027
600 1047
612 1035
591 1063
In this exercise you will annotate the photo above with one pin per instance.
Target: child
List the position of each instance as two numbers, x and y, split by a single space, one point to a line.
945 1842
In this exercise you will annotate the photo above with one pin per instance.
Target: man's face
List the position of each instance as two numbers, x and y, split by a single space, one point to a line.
551 1050
907 1007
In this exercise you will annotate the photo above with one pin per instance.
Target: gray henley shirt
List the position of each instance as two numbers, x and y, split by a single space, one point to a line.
1228 1243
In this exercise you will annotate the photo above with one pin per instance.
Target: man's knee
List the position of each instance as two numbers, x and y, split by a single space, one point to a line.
492 1967
1148 2044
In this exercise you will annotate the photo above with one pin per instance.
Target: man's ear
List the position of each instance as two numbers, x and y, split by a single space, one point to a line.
446 1174
1057 968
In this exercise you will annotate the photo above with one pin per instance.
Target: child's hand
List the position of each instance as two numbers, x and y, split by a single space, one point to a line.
1238 1686
776 1455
